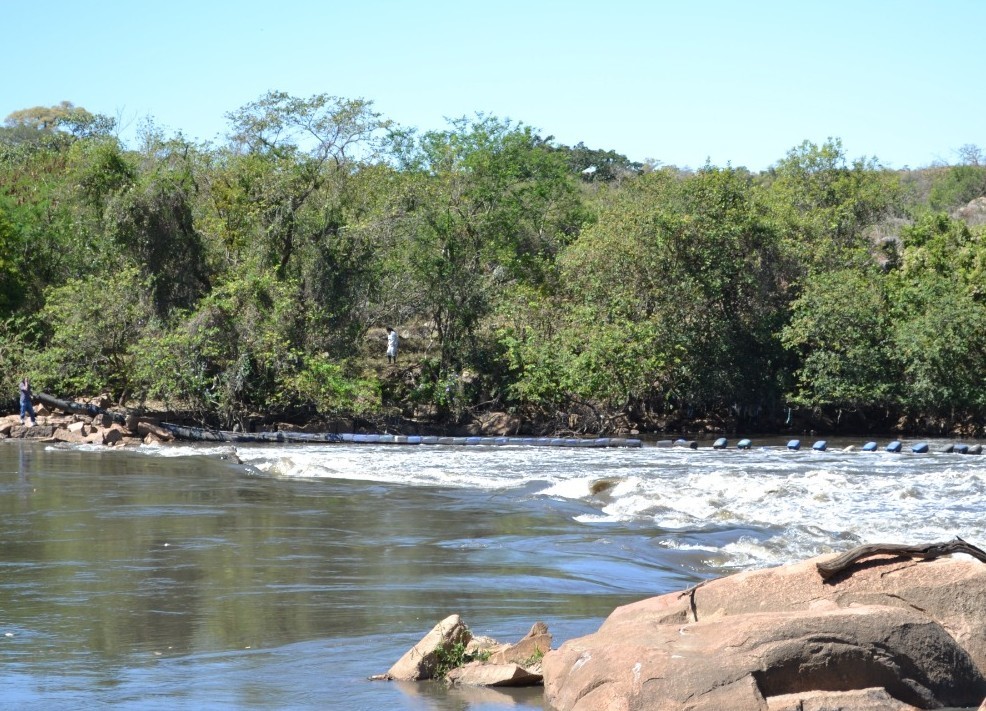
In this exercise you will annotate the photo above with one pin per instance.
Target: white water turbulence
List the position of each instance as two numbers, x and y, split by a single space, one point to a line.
732 508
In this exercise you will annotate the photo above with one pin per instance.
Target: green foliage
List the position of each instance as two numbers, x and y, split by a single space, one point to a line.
12 283
940 344
100 169
243 335
488 207
957 185
840 330
670 296
152 222
244 278
938 246
93 325
826 204
455 655
19 337
596 165
324 385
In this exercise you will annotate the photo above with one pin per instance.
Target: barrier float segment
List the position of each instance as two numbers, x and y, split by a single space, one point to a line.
202 434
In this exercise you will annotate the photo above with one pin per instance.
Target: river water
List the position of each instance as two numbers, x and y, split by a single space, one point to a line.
176 577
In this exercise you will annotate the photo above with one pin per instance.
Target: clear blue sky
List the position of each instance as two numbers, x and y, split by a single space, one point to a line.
735 82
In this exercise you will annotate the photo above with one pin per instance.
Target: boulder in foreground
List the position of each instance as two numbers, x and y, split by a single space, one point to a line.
895 634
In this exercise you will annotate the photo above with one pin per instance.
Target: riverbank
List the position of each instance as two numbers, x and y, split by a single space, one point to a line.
94 421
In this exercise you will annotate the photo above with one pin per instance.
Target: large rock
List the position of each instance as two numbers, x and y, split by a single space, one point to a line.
67 435
148 427
914 629
528 651
421 661
857 700
489 674
495 424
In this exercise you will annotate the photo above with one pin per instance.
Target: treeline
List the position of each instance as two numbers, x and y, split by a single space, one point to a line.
567 285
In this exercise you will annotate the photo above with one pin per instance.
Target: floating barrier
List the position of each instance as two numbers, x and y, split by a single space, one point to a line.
184 432
201 434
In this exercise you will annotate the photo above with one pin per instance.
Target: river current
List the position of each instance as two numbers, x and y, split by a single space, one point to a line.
282 577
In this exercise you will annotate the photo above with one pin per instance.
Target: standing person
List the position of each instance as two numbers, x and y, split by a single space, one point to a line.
26 406
392 341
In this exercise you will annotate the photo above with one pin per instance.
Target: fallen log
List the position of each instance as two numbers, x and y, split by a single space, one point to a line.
77 408
830 568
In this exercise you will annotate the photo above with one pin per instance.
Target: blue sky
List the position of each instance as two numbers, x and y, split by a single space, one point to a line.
683 82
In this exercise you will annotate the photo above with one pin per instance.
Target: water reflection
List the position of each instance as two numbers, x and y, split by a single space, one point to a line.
179 578
191 579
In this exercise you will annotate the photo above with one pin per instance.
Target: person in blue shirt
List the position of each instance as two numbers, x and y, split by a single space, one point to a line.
26 407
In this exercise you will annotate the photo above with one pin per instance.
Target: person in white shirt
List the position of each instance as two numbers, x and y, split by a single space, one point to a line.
392 341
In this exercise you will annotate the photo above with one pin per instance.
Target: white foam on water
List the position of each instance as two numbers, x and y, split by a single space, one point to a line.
772 505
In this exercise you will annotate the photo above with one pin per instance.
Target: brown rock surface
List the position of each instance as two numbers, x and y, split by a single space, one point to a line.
489 674
421 661
913 628
526 652
857 700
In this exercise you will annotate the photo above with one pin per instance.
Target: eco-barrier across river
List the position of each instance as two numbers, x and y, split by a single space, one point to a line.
208 435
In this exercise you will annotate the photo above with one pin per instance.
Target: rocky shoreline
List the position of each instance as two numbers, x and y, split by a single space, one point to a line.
895 628
135 423
100 428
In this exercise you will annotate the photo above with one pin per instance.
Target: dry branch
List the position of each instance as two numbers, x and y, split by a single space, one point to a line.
830 568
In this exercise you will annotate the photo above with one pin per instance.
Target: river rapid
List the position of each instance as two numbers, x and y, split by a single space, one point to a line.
182 577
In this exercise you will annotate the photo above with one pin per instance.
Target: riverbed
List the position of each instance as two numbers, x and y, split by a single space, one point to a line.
281 577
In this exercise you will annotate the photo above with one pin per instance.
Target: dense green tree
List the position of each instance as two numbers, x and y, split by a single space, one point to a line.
940 310
91 326
152 223
825 205
487 206
840 329
598 165
12 281
957 185
293 148
671 297
939 342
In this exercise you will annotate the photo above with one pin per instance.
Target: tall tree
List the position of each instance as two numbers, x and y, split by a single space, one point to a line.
293 147
826 203
490 204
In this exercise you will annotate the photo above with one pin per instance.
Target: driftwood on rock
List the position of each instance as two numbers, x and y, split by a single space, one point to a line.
832 567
